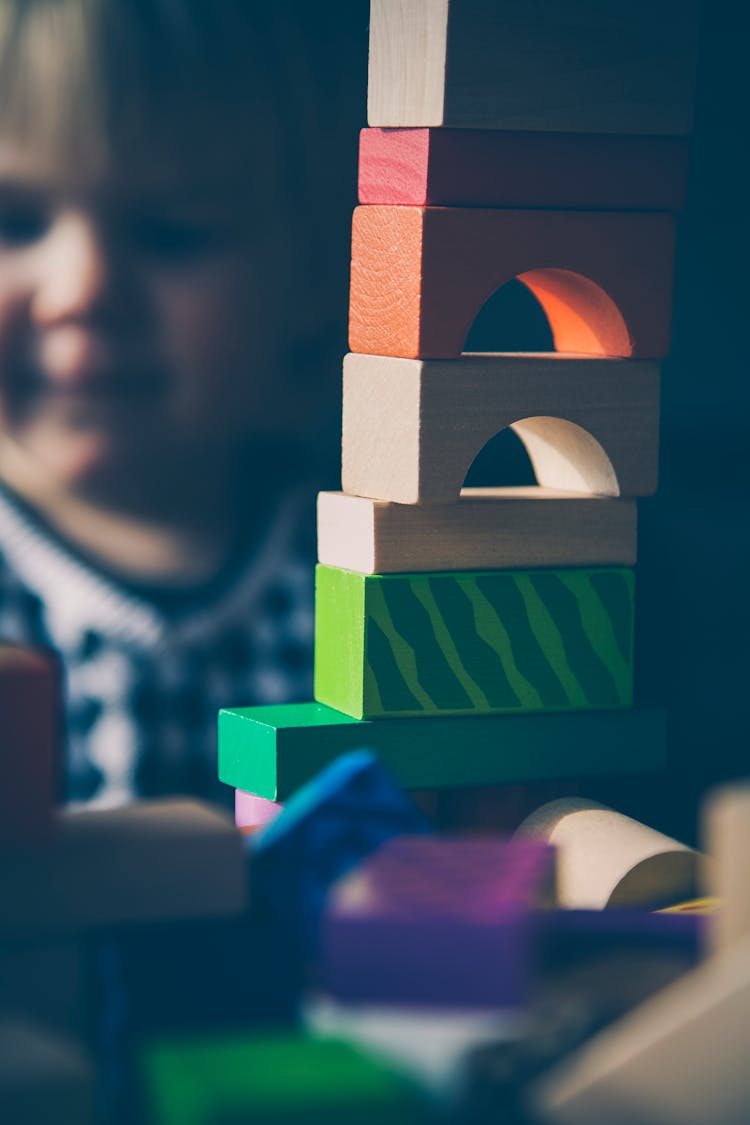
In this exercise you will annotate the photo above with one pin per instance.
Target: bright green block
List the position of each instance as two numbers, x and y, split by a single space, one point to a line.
272 1080
272 751
473 642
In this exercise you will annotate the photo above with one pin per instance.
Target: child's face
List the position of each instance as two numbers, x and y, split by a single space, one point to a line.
139 321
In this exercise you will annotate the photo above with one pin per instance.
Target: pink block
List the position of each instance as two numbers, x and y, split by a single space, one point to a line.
253 812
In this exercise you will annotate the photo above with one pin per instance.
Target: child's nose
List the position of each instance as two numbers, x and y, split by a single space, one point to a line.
75 276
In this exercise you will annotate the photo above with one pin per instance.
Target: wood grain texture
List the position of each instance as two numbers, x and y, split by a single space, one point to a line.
726 832
273 750
488 528
586 67
31 711
485 168
420 276
154 860
473 642
412 428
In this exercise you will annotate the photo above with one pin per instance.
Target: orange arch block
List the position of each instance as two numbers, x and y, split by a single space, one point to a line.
420 275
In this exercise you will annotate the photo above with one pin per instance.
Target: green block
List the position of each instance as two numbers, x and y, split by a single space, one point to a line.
473 642
270 1080
271 751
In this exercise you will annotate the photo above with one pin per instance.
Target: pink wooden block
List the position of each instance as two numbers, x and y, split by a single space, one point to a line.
253 812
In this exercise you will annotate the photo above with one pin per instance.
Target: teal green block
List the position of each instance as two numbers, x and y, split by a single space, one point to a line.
473 642
267 1081
272 751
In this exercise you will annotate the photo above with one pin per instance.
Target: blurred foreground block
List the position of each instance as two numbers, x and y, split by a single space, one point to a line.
44 1079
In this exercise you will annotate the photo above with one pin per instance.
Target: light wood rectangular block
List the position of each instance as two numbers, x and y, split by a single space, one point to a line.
489 528
412 428
726 831
151 861
586 67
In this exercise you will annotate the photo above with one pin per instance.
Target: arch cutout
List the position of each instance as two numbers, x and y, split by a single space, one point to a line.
563 456
581 318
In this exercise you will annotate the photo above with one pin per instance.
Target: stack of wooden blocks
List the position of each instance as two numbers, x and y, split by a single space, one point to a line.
506 142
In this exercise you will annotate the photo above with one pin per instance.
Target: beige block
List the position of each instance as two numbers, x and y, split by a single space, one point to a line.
412 428
726 831
606 859
149 861
489 528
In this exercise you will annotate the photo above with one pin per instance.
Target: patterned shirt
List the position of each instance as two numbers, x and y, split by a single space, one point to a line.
144 680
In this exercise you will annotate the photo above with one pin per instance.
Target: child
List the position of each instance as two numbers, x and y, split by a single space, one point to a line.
159 315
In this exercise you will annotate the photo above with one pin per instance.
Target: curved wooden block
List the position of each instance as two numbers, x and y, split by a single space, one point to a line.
487 168
420 275
412 428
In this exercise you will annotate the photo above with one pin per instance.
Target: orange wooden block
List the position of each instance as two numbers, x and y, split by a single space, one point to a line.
420 275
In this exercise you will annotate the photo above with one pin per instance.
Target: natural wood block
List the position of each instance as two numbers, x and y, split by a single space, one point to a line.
44 1078
726 832
490 528
528 64
412 428
31 716
420 276
155 860
273 750
473 642
607 859
678 1059
485 168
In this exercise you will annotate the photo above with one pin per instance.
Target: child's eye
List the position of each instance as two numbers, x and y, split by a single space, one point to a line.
173 241
22 223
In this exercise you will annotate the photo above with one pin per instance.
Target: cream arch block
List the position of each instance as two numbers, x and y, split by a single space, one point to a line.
413 427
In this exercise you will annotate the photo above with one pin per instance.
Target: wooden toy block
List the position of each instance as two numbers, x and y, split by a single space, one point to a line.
412 428
606 859
473 642
292 1080
327 827
437 921
273 750
420 276
678 1059
489 528
47 983
477 64
31 713
726 833
149 861
253 812
485 168
44 1077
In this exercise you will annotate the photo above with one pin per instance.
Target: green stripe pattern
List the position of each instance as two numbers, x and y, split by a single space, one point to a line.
473 642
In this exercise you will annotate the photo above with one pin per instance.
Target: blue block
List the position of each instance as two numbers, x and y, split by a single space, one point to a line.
325 829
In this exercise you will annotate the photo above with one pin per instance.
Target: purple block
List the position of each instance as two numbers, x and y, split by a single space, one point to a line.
437 921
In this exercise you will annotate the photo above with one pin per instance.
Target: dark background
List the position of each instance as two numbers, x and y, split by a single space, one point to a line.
693 625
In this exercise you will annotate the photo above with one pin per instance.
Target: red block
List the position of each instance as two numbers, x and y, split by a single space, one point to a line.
420 275
485 168
30 720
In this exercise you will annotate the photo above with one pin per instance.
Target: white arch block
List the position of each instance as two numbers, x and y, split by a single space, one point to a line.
412 428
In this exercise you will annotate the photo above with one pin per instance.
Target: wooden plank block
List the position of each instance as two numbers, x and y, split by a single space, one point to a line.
330 825
150 861
420 276
273 750
485 168
473 642
726 832
412 428
489 528
606 859
44 1077
678 1059
31 711
437 921
527 64
277 1078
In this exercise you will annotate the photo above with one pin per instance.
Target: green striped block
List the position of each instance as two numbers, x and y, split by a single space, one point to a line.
473 642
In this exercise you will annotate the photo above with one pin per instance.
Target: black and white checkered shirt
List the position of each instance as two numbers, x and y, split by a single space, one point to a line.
144 682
